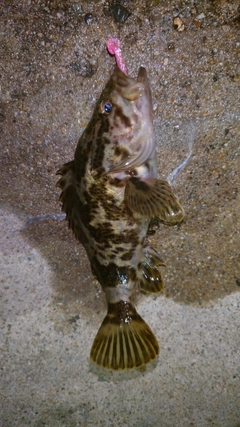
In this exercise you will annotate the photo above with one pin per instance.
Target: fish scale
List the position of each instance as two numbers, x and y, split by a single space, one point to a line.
110 193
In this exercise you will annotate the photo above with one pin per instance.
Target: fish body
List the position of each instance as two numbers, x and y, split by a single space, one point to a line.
110 193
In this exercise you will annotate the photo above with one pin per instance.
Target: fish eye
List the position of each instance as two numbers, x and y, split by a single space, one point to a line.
106 107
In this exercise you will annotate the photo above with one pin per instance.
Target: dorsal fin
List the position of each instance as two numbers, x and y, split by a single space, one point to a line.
69 197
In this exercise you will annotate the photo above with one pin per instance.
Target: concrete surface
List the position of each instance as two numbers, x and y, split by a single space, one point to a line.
53 66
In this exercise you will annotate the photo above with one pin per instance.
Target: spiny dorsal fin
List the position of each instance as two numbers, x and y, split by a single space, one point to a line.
124 340
153 197
69 198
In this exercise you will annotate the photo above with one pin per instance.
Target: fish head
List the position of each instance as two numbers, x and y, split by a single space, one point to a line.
123 121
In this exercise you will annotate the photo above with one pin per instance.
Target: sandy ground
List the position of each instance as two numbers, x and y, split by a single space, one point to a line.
53 66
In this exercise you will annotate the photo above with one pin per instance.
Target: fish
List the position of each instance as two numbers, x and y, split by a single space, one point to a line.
111 193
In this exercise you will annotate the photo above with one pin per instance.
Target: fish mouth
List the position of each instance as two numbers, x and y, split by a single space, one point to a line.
131 89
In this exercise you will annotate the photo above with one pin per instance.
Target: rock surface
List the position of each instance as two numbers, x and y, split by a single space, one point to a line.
54 64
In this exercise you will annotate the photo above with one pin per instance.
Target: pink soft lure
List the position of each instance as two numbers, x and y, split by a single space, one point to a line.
113 47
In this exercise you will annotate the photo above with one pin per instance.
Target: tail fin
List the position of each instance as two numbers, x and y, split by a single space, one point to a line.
124 340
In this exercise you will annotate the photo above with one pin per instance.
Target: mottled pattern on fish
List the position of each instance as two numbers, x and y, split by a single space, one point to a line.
110 192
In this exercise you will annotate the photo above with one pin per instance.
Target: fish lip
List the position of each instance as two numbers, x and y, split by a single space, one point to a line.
143 79
125 79
120 78
128 87
142 75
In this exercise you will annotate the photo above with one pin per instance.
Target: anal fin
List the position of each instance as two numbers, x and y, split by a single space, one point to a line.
149 274
124 340
153 197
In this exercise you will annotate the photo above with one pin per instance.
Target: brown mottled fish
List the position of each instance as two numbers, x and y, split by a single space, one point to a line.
110 192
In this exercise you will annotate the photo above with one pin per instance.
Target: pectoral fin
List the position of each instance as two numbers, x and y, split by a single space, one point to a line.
153 197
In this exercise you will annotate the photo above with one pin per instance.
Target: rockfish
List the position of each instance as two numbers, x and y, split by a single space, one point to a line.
110 193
